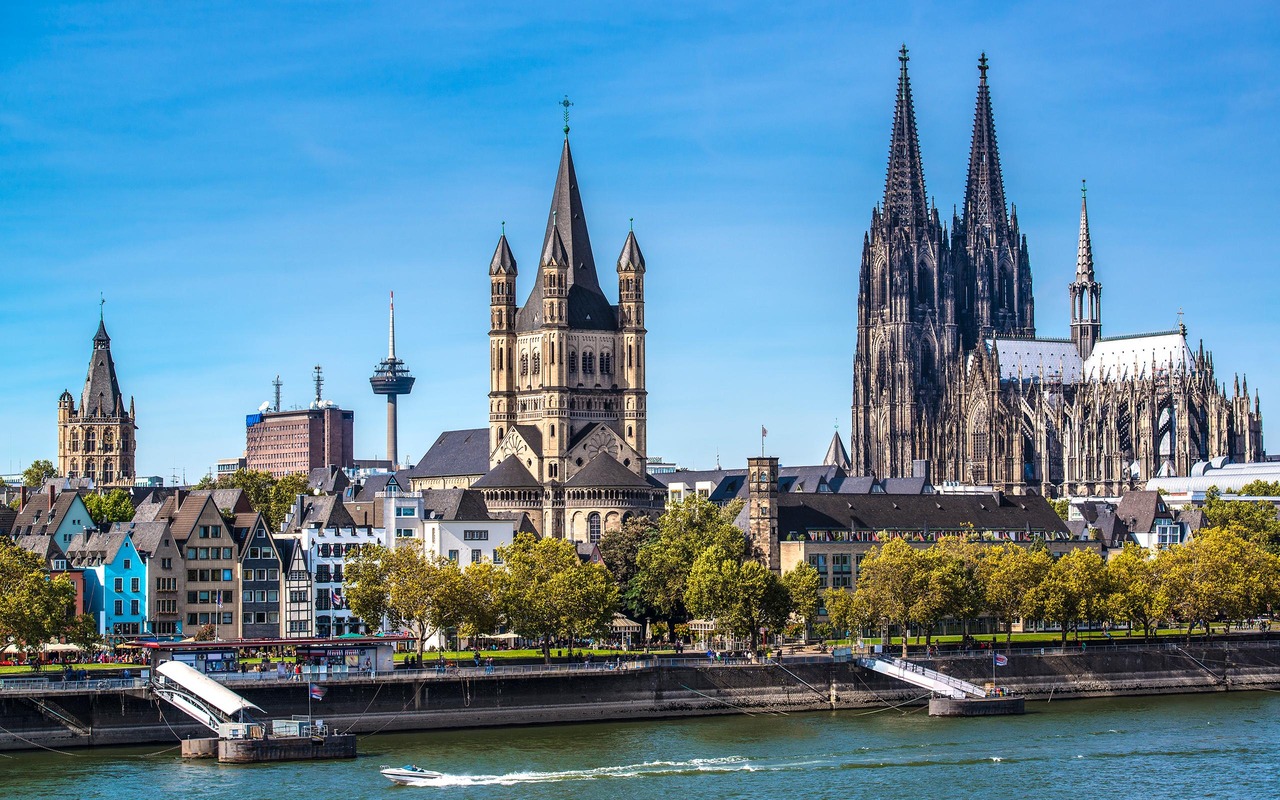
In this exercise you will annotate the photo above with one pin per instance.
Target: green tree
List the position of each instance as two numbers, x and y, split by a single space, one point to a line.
83 633
1009 574
685 530
848 612
1134 588
364 584
1061 506
620 551
1221 573
1260 489
41 470
803 585
482 583
283 495
743 596
105 509
1071 590
966 596
1256 519
540 600
892 582
34 607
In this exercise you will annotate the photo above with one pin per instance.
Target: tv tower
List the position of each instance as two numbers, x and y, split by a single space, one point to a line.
392 378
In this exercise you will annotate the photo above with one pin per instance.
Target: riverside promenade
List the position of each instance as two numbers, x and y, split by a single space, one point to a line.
110 711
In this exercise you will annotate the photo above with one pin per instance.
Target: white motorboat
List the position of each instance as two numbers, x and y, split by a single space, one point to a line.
408 774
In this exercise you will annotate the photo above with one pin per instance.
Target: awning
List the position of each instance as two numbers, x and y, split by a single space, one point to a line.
621 623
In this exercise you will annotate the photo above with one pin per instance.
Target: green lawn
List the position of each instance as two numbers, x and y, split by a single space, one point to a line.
57 668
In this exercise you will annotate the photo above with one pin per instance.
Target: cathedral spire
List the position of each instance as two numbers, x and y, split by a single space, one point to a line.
984 202
904 193
1084 251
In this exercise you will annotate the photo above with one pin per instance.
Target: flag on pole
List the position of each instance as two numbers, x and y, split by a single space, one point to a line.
1001 661
219 594
763 431
335 599
317 691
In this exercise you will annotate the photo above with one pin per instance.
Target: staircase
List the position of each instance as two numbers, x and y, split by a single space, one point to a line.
56 713
925 678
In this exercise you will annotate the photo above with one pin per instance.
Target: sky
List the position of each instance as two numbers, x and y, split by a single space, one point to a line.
244 185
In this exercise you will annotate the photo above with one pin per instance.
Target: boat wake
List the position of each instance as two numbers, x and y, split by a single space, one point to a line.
647 769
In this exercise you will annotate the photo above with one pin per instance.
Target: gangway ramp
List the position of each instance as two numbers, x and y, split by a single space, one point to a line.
200 697
925 678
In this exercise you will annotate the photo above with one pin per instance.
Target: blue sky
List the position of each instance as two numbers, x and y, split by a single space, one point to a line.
245 185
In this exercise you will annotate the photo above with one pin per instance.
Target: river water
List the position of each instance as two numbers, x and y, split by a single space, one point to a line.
1196 746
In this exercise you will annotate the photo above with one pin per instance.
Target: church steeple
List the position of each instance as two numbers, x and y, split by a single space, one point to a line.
984 202
587 307
1086 293
905 201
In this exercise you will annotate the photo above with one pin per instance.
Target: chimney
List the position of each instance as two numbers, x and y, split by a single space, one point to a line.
52 489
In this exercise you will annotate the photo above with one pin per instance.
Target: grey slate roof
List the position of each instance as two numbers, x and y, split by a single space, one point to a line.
631 255
454 504
147 536
463 452
503 263
836 455
587 307
7 516
878 512
46 547
510 474
1140 510
325 511
101 396
87 549
329 480
604 470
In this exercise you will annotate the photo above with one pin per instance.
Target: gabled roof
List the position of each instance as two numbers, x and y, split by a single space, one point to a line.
88 549
1140 510
604 470
454 504
463 452
329 480
325 511
36 517
234 500
45 547
510 474
148 537
7 517
531 435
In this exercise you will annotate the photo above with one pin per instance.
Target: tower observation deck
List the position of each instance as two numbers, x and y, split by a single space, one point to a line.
392 378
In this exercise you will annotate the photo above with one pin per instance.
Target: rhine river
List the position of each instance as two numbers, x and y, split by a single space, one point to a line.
1197 746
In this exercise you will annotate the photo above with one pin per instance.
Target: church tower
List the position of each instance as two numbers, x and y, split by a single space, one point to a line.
96 440
567 398
907 324
994 272
1086 293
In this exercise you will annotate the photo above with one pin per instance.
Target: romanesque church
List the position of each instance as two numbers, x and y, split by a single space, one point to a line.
567 416
949 372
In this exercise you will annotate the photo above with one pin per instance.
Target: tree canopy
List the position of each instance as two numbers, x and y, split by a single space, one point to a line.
41 470
114 506
34 607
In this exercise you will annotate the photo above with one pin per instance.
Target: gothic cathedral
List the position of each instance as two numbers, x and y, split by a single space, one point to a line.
96 440
949 373
567 416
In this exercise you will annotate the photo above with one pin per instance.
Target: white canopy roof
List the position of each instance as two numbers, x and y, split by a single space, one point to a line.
207 689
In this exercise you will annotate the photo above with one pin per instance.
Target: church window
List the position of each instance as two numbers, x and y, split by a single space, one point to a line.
524 363
629 431
553 430
108 472
537 363
628 356
75 441
90 440
588 363
552 358
573 362
606 363
74 468
593 526
90 471
553 470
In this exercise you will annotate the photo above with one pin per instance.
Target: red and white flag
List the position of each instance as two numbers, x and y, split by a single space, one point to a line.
1001 661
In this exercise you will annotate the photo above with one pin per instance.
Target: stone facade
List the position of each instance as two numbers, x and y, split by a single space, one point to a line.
948 368
567 415
96 439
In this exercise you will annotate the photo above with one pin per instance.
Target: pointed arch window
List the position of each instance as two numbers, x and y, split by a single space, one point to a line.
588 363
90 440
606 363
108 471
573 363
524 364
537 363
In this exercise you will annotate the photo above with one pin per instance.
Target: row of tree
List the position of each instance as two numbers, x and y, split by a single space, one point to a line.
693 563
541 591
271 497
1222 574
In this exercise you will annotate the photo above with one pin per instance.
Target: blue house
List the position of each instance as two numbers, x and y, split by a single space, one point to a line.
61 515
115 581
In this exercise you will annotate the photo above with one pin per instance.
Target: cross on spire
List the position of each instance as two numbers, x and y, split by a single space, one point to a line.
102 301
565 102
982 65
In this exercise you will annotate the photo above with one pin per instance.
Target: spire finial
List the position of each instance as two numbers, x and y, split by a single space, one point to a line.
902 55
1182 326
982 66
632 221
102 301
565 102
1084 189
504 227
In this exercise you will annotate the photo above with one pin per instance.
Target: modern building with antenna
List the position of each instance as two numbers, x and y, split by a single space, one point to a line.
299 440
391 378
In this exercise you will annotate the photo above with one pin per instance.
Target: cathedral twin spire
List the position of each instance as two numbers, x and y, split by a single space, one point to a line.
905 200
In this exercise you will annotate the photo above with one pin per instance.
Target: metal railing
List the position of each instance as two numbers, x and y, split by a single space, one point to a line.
46 685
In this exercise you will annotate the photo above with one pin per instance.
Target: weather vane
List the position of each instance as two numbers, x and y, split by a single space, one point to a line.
102 301
565 102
